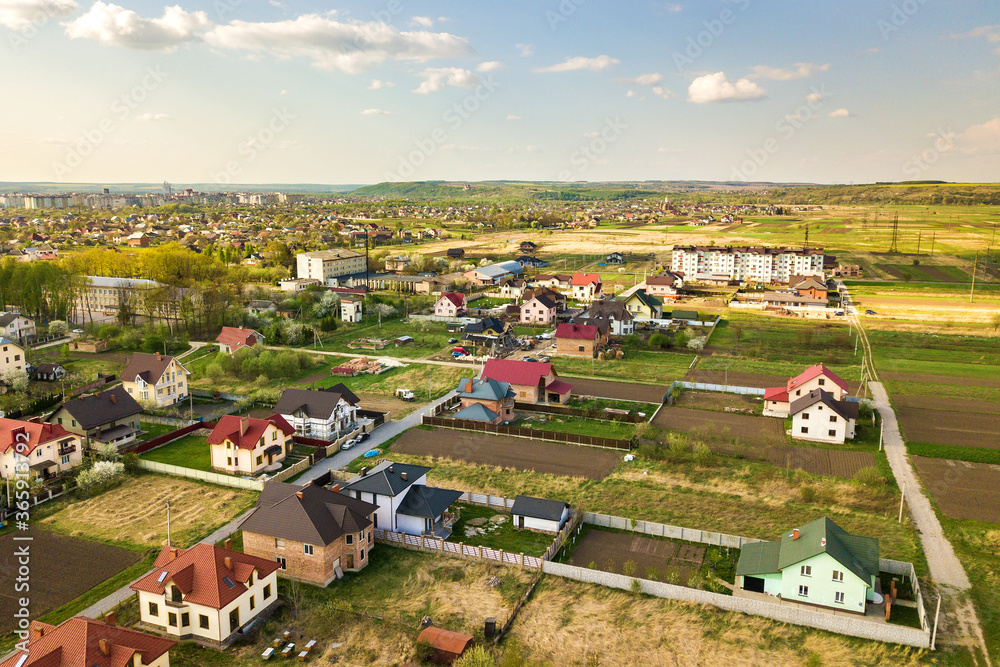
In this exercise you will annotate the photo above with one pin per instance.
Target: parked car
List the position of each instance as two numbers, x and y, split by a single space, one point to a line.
349 444
870 312
452 341
363 436
839 313
529 359
544 358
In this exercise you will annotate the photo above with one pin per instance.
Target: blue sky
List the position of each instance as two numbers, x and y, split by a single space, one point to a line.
250 91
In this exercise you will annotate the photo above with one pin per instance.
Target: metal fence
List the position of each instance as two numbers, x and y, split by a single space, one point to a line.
170 437
907 570
599 415
534 433
664 530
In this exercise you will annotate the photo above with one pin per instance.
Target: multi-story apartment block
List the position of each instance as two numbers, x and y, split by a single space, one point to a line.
746 263
325 264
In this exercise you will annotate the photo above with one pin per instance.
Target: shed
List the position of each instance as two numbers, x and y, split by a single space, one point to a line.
403 340
447 645
539 514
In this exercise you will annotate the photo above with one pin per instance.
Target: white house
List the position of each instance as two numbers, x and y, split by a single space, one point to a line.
450 304
586 286
41 448
405 503
155 377
205 593
86 641
350 310
547 516
16 326
818 416
12 357
777 400
326 415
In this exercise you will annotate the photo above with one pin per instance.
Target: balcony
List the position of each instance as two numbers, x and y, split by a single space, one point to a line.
66 450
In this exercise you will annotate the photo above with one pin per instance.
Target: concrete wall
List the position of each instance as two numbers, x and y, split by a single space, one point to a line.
663 530
212 477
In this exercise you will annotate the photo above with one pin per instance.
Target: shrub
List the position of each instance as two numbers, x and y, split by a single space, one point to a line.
636 587
477 656
807 493
102 473
702 454
869 477
58 328
629 568
659 341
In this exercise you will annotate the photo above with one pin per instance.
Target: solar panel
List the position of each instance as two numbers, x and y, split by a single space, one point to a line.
228 582
162 577
23 659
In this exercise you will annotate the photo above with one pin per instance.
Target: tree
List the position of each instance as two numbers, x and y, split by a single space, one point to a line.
16 378
995 321
58 328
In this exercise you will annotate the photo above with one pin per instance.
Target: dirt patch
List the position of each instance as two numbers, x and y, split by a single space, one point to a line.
721 424
939 379
953 404
62 569
311 379
749 379
609 551
942 427
622 391
962 490
713 400
395 407
809 459
507 452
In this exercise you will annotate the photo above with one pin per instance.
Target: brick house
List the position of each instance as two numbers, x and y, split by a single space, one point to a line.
310 531
532 381
450 304
245 445
155 377
85 641
233 338
496 397
540 310
578 340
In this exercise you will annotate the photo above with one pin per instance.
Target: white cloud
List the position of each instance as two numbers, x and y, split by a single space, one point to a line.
660 91
152 117
984 138
113 24
717 88
815 97
579 63
375 112
801 71
525 49
671 7
489 66
332 45
275 3
631 93
436 78
991 32
378 84
513 117
840 113
650 79
18 14
423 21
283 92
871 50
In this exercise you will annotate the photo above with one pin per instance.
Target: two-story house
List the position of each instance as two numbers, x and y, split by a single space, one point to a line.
664 285
614 314
326 415
12 357
586 286
34 447
532 381
777 400
539 310
157 378
233 338
310 531
85 642
16 326
246 445
820 417
206 593
641 304
450 304
483 399
108 417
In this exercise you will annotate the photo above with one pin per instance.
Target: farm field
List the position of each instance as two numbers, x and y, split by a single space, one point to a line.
622 391
653 558
949 404
712 424
944 427
62 569
637 365
429 338
736 379
960 489
135 512
509 452
717 401
815 461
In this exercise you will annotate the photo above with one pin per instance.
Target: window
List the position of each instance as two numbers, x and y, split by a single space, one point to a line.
833 419
172 619
17 357
229 460
260 459
203 621
805 429
838 575
838 597
185 619
369 537
274 434
805 415
281 562
798 392
279 543
154 609
822 382
832 433
267 591
65 460
307 549
349 539
362 555
253 603
806 570
804 591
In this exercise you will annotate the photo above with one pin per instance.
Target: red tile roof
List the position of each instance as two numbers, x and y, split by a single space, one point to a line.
456 298
199 572
237 338
77 643
816 371
246 431
37 434
577 331
586 278
559 387
776 394
524 373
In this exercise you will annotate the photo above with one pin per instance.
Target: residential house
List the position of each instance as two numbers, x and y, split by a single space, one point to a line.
47 372
490 335
512 288
326 415
310 531
108 417
395 264
539 310
641 304
813 287
157 378
578 340
555 297
664 285
246 445
405 503
820 417
12 357
483 399
455 253
450 304
818 565
586 286
44 449
492 274
777 400
262 307
618 320
528 247
539 514
137 240
756 264
532 381
529 261
206 593
553 281
233 338
351 310
16 326
776 300
615 258
322 265
82 642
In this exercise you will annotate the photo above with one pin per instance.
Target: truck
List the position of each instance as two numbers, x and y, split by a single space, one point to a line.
405 394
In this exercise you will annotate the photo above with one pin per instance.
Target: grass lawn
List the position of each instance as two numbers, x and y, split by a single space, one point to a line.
578 425
599 404
191 451
636 366
498 535
415 377
954 452
429 338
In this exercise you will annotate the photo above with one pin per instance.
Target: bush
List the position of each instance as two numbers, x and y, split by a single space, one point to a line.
870 477
58 328
101 474
659 341
629 568
807 493
702 454
477 656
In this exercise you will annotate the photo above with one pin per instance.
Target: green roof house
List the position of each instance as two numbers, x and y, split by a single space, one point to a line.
818 564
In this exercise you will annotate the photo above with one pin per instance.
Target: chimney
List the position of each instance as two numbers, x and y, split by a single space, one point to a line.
364 471
109 619
335 488
298 494
244 425
173 553
468 386
403 475
228 562
228 544
158 357
37 632
105 647
114 399
391 469
795 533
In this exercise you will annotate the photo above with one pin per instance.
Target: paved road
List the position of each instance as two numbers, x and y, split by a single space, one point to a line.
195 346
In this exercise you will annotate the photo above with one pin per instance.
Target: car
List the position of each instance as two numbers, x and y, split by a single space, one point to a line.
349 444
544 358
839 313
529 359
362 437
452 341
870 312
78 331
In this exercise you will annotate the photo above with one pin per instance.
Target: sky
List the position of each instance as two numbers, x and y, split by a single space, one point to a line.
269 91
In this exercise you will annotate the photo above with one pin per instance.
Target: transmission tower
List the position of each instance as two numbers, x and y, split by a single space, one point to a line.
895 234
806 245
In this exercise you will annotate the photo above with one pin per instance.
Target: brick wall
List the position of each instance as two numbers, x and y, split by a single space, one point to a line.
317 568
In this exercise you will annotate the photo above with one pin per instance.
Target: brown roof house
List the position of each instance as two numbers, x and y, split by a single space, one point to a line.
313 533
157 378
206 593
84 642
578 340
110 416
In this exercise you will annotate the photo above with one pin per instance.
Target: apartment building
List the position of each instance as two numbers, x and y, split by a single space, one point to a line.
756 264
325 264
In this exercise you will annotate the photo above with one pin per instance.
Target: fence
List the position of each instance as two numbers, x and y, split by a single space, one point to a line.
906 570
498 502
664 530
167 421
457 549
6 512
725 388
291 471
204 476
170 437
599 415
786 613
534 433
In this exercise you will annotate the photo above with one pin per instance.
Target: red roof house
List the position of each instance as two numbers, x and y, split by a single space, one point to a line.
532 381
450 304
246 445
32 434
232 338
84 642
816 376
578 340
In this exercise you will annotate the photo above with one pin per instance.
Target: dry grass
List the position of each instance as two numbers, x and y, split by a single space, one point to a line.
135 512
568 623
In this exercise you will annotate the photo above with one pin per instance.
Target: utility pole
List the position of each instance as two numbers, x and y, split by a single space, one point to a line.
933 235
168 523
975 265
918 243
902 497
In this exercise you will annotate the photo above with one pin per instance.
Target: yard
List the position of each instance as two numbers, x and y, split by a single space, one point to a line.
487 527
429 338
638 365
191 451
578 425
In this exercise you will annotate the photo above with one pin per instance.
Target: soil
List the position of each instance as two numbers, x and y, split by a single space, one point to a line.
395 407
942 427
809 459
62 569
962 490
713 400
622 391
939 379
952 404
609 552
767 430
508 452
749 379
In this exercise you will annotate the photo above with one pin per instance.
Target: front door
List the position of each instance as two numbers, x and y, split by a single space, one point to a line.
234 620
348 561
520 521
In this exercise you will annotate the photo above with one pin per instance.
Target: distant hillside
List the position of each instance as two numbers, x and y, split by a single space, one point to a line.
926 193
39 187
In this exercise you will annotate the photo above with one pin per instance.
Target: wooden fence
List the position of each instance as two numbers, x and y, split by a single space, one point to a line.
600 415
457 549
534 433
